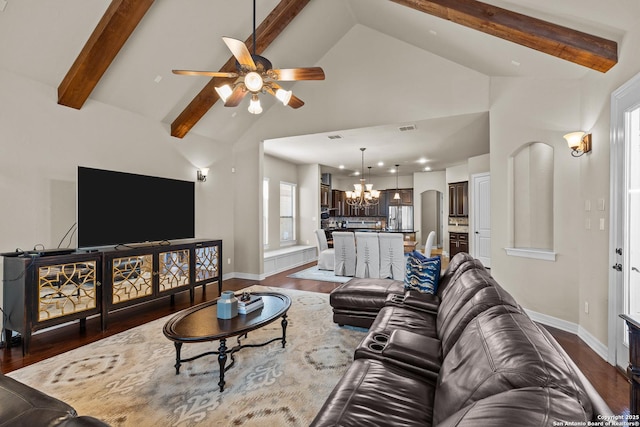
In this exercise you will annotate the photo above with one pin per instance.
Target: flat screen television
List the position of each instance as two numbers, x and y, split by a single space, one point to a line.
120 208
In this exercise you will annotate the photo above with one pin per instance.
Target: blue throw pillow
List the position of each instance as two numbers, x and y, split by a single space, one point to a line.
422 273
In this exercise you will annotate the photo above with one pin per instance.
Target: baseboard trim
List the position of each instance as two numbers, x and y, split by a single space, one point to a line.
246 276
600 349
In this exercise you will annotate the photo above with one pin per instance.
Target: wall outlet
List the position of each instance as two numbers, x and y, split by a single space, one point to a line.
586 307
601 223
587 205
600 204
587 223
229 261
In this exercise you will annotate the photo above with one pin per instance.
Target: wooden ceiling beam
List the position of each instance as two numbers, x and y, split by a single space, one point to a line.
581 48
111 33
266 33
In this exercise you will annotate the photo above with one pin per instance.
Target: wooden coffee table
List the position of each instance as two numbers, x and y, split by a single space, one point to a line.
200 323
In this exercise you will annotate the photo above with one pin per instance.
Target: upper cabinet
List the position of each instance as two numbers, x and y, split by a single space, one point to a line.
459 199
406 197
325 196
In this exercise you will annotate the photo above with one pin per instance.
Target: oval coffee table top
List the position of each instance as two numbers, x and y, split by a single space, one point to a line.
201 323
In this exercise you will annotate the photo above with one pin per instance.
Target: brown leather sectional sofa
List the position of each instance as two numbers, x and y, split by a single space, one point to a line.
468 356
21 405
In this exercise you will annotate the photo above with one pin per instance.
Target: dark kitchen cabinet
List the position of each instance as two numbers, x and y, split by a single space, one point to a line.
325 196
458 242
338 203
459 199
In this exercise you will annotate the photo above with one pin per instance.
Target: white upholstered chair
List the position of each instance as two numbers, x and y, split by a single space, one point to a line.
392 262
367 254
325 254
428 245
344 249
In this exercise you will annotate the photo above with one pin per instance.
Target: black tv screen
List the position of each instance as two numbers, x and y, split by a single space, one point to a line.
120 208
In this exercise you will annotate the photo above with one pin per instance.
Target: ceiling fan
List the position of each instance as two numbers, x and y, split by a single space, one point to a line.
255 75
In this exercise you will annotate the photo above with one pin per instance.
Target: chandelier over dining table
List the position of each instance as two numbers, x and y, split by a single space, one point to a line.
363 195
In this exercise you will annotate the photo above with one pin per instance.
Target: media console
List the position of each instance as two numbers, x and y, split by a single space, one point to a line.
43 290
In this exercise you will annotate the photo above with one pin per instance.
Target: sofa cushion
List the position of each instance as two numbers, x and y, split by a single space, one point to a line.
375 394
500 350
531 406
422 273
364 294
391 318
462 308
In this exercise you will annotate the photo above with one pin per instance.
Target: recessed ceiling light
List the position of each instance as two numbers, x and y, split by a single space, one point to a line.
157 79
341 167
427 169
380 164
515 63
356 173
422 160
392 171
433 32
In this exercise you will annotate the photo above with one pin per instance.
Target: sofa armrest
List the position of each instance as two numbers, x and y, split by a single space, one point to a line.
414 352
423 302
600 407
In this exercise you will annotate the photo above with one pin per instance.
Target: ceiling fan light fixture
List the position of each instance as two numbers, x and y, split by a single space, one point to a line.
284 96
254 105
253 81
224 92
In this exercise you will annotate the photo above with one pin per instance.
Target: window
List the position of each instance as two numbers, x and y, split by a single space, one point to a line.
287 212
265 212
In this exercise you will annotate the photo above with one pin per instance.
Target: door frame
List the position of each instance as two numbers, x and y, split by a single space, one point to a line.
617 171
473 204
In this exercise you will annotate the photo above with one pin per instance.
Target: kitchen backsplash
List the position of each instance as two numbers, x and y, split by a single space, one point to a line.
458 220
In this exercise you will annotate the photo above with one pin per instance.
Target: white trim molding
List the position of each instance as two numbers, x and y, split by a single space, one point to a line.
542 254
593 343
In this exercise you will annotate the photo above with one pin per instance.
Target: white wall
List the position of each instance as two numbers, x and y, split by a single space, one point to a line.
277 171
44 143
308 203
423 181
523 111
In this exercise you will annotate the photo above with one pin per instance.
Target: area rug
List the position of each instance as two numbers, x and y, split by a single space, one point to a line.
322 275
129 379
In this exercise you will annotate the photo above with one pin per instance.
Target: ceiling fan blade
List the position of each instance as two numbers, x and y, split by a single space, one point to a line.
205 73
291 74
236 96
240 51
295 102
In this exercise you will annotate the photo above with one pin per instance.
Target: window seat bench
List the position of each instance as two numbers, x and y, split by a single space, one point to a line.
279 260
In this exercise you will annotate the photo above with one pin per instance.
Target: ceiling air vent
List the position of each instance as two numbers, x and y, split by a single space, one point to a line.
407 128
334 136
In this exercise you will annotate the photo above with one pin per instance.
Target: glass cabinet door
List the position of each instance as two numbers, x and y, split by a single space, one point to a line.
65 289
173 270
207 260
132 278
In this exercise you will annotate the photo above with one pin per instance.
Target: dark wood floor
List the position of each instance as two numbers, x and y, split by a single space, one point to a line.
609 381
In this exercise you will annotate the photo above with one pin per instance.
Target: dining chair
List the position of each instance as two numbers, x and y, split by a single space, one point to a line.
392 261
428 245
367 254
344 247
325 253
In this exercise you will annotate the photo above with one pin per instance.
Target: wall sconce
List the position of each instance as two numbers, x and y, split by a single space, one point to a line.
202 174
579 142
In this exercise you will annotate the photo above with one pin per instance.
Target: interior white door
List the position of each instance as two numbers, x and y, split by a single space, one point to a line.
625 216
481 226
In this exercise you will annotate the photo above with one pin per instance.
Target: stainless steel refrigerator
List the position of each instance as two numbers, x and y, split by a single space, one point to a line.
400 218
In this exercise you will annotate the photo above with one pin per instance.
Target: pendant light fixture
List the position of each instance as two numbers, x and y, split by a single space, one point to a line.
363 195
397 195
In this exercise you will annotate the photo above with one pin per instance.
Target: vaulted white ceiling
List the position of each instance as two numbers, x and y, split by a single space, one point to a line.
365 46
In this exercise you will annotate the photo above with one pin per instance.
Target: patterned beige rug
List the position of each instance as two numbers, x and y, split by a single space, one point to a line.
129 379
